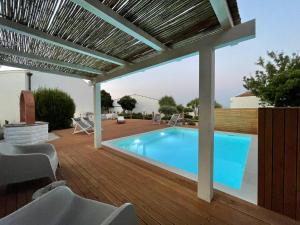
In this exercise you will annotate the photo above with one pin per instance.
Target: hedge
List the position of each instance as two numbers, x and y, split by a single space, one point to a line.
55 107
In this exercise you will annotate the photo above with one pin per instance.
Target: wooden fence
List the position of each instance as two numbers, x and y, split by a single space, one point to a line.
279 160
236 120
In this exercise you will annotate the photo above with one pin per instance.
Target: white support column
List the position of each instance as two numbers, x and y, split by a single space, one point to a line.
206 123
97 115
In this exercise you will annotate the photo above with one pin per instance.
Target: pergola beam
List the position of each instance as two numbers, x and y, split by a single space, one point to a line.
113 18
233 36
33 57
53 40
26 67
222 12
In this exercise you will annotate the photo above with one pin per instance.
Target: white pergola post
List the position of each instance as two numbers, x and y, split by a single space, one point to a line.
206 123
97 115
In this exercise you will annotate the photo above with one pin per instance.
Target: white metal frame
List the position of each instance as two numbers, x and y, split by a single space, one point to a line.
42 36
222 12
239 33
56 72
97 115
79 129
33 57
110 16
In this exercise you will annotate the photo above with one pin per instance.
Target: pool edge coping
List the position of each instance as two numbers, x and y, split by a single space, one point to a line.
193 177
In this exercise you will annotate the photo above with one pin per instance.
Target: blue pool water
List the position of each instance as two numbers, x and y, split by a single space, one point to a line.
178 147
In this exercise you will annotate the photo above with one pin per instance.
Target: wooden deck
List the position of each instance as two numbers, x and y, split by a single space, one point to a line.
160 197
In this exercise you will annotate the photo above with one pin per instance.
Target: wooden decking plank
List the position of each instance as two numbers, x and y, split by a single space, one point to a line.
164 197
116 198
160 197
116 186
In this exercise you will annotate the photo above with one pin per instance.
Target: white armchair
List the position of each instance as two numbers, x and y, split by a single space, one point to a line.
61 206
28 162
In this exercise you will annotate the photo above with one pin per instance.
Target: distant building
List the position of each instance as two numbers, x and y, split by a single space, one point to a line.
245 100
13 81
144 105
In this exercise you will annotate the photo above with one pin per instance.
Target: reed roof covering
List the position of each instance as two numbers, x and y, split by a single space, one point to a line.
171 22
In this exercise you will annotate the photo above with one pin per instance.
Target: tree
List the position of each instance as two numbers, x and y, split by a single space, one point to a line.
167 110
277 83
106 100
127 103
218 105
180 108
194 104
167 100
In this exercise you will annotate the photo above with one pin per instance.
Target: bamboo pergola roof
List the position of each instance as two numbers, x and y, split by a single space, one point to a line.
68 37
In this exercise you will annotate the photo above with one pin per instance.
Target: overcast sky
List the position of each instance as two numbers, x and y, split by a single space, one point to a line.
278 29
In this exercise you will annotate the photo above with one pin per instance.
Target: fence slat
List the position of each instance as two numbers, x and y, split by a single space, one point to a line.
261 157
298 170
278 160
290 162
236 120
268 158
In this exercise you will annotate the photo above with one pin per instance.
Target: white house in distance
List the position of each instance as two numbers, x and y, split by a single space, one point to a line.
15 80
144 104
245 100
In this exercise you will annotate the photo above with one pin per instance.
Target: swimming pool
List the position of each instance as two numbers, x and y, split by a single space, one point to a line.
178 148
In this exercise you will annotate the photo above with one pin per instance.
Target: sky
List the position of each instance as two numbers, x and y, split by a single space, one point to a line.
277 29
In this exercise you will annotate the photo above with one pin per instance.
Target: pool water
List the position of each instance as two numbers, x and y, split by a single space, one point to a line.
178 147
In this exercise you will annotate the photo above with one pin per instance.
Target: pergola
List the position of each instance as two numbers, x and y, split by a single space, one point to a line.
102 40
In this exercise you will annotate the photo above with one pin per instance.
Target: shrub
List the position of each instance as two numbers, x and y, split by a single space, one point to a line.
166 117
148 117
137 116
127 103
55 107
167 109
126 115
167 100
187 116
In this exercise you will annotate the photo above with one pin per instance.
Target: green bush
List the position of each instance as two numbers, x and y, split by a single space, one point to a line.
187 116
126 115
167 109
55 107
137 116
148 117
166 117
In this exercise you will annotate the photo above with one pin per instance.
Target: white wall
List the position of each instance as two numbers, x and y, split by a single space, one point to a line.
244 102
11 84
144 104
78 89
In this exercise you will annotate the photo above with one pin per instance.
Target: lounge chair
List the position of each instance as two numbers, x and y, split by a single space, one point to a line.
88 122
28 162
156 118
61 207
120 119
174 120
81 126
